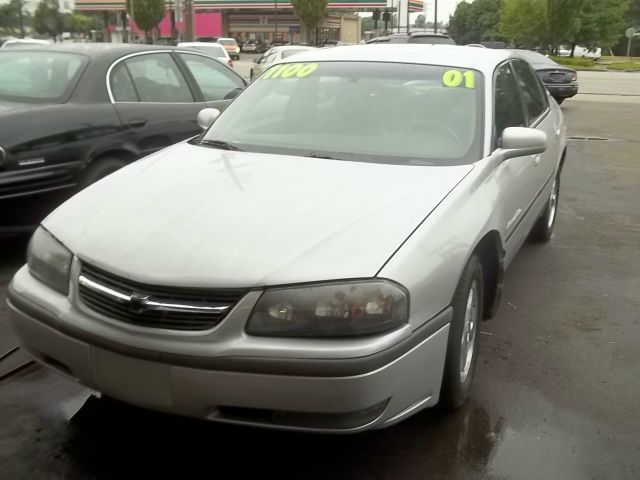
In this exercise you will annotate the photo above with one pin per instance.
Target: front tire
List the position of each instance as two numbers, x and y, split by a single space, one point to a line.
543 229
462 347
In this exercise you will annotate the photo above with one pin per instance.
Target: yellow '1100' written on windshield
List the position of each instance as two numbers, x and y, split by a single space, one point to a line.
450 78
289 70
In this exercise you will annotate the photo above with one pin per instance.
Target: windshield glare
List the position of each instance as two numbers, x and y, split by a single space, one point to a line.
37 76
363 111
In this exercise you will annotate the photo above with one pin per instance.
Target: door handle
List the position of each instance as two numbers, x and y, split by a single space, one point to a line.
137 122
536 160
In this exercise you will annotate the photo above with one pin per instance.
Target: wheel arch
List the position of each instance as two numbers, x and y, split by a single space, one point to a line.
491 253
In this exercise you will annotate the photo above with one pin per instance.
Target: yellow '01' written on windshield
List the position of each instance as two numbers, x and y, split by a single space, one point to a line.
456 78
291 70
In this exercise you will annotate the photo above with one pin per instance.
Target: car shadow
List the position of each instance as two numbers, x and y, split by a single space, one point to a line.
109 439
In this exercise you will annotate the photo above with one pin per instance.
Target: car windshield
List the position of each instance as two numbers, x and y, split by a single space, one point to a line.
38 76
225 41
360 111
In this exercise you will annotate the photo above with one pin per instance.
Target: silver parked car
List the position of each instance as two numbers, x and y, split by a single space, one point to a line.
319 258
274 55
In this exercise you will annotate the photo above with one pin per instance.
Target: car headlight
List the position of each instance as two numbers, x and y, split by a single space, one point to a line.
237 49
49 261
330 310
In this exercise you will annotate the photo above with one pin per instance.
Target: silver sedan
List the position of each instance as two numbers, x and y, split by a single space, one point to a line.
319 258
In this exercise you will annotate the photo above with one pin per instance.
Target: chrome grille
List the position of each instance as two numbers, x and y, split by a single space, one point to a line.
154 306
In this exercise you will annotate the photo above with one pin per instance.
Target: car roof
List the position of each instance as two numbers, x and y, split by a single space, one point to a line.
102 50
482 59
199 44
292 47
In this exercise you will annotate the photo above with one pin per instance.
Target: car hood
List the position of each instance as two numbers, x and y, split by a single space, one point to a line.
197 216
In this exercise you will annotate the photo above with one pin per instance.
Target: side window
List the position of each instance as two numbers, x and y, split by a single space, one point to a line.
508 107
215 81
157 78
532 93
122 87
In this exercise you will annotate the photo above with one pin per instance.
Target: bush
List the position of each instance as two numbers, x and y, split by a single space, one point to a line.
624 66
575 62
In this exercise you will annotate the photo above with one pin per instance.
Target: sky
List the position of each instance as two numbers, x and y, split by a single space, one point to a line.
445 8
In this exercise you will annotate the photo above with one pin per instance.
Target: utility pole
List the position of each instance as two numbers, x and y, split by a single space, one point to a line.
188 20
172 18
275 15
21 16
435 16
408 18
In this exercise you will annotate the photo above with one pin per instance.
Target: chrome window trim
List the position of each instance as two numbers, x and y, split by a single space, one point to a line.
149 52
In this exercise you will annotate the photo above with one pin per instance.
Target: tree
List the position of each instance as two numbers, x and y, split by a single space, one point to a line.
459 24
81 24
12 18
147 14
563 20
311 12
47 19
601 25
476 22
420 21
524 22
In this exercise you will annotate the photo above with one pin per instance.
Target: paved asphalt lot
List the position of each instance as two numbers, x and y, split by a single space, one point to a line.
556 389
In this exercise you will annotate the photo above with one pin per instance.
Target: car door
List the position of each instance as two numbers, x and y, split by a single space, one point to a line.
154 100
515 176
217 84
540 117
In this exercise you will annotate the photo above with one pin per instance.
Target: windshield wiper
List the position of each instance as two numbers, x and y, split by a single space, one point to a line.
222 145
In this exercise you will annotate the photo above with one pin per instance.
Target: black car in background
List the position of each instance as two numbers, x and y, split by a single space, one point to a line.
562 82
74 113
415 37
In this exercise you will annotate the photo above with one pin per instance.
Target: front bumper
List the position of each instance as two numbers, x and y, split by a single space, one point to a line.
562 91
337 393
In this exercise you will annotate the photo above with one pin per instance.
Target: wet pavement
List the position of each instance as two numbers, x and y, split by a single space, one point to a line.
555 395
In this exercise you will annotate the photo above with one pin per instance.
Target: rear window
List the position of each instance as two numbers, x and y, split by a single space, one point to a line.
435 40
36 77
288 53
212 51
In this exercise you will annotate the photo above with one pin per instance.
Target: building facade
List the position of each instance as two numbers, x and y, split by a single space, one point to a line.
261 19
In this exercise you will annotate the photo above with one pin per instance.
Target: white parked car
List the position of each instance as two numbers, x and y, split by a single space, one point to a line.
211 49
320 258
273 55
24 42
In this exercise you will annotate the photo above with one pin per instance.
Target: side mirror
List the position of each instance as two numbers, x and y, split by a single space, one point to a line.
206 117
521 141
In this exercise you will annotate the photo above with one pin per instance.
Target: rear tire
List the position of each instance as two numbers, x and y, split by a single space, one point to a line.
542 231
99 169
462 347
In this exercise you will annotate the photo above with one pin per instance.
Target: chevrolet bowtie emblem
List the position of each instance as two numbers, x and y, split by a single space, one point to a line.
138 303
